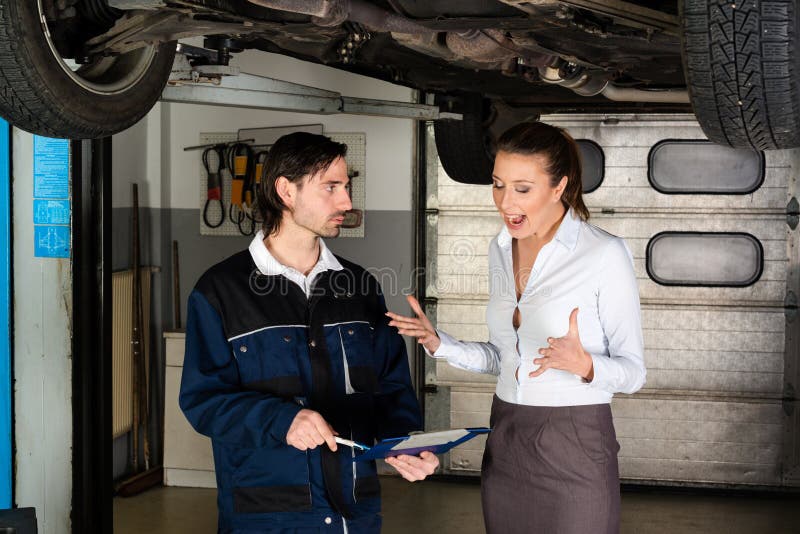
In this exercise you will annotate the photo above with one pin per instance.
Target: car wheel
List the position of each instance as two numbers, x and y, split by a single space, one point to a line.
741 66
465 147
46 94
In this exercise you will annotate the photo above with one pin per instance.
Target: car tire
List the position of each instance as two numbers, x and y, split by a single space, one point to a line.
42 94
741 66
464 147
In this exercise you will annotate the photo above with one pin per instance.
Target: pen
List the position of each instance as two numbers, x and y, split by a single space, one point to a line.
347 442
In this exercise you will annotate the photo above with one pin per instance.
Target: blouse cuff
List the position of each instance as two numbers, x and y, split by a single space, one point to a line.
603 378
447 346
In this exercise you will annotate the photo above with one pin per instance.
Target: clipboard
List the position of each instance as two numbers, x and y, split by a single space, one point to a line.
435 442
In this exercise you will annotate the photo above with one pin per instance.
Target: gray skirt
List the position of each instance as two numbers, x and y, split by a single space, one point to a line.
550 470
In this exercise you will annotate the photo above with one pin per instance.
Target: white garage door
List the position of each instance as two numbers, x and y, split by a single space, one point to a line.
713 409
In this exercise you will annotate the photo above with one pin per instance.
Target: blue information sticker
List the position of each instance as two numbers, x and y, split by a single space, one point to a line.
50 211
50 167
51 241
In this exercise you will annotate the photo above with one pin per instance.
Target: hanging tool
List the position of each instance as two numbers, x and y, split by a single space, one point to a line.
241 163
261 159
214 163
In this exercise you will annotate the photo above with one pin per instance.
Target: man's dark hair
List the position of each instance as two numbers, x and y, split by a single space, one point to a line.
293 156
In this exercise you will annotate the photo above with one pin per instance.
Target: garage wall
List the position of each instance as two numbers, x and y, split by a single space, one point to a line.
151 153
712 411
42 361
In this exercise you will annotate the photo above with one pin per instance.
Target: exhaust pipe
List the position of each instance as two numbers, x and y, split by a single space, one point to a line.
334 12
585 85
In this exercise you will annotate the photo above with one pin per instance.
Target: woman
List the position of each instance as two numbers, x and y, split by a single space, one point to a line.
565 335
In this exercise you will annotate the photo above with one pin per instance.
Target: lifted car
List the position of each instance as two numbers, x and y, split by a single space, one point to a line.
91 68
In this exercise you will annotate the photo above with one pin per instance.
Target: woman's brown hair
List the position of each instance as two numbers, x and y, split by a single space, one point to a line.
561 153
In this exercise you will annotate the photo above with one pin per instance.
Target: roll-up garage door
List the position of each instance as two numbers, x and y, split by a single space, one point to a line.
709 234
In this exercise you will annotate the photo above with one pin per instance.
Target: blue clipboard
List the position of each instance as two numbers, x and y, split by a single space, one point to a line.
435 442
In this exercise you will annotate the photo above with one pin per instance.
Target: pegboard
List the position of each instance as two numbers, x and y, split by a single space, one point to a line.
356 167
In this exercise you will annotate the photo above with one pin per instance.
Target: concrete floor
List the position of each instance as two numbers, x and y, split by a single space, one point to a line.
454 508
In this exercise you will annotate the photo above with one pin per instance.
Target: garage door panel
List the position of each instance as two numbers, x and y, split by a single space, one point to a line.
712 340
716 381
662 326
772 270
479 228
642 228
774 250
453 195
446 373
654 339
484 224
698 430
470 401
691 318
639 196
635 136
459 284
637 176
644 197
699 472
468 265
469 420
731 361
761 291
714 319
473 312
465 460
664 409
726 451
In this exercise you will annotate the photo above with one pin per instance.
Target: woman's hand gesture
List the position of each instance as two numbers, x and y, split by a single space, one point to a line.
566 353
420 327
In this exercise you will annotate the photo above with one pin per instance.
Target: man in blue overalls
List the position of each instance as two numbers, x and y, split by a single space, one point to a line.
288 346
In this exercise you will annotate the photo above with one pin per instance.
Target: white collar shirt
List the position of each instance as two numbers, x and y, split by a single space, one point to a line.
581 267
269 266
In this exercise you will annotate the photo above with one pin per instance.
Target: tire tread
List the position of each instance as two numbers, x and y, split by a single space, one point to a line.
742 82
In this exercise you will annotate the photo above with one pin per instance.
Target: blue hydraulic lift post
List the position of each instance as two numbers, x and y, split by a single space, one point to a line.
5 317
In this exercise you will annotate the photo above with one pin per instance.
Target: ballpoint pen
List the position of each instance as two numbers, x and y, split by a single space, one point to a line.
349 443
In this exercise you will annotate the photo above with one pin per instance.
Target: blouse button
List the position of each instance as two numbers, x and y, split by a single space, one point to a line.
243 348
312 343
287 339
350 332
328 520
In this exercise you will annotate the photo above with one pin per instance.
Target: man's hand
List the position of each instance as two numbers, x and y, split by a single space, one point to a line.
413 468
566 353
308 430
419 327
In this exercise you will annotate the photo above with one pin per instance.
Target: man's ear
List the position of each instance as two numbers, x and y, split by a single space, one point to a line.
287 191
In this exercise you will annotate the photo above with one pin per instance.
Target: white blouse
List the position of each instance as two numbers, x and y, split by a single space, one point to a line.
584 267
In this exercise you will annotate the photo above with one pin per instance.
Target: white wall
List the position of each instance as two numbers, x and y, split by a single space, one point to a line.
42 362
136 157
151 152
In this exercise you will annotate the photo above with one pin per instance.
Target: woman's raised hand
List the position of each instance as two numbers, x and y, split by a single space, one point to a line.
566 353
419 327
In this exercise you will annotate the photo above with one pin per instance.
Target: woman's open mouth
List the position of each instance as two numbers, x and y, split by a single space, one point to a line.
514 221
